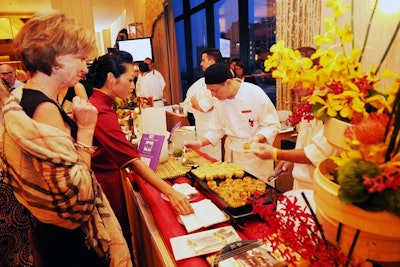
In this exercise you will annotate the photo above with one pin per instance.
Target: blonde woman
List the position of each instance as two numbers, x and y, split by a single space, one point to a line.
47 154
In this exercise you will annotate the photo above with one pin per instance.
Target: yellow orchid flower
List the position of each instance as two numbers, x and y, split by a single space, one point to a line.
337 7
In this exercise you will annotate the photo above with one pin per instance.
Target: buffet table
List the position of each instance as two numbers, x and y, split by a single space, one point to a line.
155 223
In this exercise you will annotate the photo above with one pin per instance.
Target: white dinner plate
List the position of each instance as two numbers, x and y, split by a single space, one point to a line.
239 147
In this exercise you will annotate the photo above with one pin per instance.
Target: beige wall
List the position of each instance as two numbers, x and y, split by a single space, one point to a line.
81 10
382 28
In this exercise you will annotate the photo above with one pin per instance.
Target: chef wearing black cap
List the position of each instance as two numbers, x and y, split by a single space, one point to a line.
245 114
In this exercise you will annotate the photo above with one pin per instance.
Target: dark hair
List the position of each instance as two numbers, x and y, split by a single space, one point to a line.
144 67
235 59
111 62
213 53
307 51
240 64
217 73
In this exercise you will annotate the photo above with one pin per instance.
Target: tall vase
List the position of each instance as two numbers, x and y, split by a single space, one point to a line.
378 237
334 133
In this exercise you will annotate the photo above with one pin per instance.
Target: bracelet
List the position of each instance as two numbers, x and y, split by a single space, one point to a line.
275 153
84 147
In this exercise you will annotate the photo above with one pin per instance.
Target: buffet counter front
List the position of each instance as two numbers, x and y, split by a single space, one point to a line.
154 223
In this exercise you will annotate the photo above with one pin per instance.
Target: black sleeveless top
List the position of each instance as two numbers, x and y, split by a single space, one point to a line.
57 246
32 98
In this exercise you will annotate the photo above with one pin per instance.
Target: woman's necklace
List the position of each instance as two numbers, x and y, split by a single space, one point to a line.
38 87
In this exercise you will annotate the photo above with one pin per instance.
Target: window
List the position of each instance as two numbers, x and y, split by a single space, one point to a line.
199 39
194 3
178 8
226 23
239 28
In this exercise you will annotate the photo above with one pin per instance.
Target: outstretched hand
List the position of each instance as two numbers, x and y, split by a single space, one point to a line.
180 203
193 144
264 151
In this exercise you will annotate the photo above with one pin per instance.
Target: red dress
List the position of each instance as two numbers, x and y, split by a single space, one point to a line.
114 152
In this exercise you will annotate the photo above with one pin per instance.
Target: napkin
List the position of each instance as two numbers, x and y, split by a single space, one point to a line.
185 189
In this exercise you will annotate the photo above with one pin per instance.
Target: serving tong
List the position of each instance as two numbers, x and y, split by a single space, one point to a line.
275 175
218 238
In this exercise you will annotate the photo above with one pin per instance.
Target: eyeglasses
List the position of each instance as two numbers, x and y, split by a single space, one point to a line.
5 73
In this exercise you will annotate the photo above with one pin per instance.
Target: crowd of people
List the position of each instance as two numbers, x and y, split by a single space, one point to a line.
63 172
50 163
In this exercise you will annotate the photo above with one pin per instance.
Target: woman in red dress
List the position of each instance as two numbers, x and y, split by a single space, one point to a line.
112 75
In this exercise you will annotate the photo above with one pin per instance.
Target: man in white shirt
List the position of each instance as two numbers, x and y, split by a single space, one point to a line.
242 112
200 102
158 79
149 86
7 74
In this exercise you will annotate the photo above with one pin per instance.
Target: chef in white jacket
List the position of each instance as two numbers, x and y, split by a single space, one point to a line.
242 112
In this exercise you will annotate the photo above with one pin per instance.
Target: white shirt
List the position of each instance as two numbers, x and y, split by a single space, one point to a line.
202 118
206 101
15 85
150 87
316 147
158 77
250 113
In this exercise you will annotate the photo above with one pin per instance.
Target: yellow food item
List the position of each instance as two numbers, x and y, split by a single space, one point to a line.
218 170
228 180
236 192
246 146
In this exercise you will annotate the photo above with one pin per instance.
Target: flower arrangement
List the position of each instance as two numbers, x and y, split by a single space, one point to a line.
369 173
339 86
294 234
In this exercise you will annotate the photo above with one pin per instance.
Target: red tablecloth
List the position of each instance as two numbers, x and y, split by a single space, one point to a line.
168 225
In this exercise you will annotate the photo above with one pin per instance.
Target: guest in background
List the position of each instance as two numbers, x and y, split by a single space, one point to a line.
311 145
239 71
157 75
21 75
7 74
149 86
112 76
242 112
232 63
48 155
122 36
200 102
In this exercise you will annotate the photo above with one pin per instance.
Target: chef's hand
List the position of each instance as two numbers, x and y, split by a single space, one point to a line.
193 144
180 203
259 138
284 166
264 151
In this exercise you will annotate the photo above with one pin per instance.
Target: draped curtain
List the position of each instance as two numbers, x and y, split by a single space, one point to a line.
297 21
160 23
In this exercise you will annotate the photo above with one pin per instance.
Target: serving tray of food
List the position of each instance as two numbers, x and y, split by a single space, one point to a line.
231 188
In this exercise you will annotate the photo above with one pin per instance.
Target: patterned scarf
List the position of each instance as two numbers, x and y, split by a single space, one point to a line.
42 165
